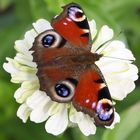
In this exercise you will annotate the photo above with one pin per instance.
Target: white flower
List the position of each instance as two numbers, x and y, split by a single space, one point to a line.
119 74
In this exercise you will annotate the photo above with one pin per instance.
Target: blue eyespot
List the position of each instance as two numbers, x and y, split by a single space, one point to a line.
104 111
62 90
48 40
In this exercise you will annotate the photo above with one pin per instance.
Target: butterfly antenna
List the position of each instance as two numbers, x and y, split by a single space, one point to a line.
109 41
119 58
103 45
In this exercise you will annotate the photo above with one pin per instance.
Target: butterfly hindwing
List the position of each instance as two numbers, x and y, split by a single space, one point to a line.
92 96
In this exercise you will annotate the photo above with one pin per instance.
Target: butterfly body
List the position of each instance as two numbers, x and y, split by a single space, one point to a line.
66 68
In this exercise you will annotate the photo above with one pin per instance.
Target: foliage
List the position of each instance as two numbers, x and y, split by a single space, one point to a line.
16 17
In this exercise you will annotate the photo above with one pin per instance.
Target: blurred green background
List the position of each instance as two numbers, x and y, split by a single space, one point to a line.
16 17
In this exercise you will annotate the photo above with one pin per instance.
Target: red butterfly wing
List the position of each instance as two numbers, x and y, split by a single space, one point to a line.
72 24
92 97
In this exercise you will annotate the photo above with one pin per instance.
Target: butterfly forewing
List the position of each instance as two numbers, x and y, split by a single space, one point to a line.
72 24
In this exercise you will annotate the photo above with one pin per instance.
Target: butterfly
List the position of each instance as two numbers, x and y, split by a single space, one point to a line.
66 66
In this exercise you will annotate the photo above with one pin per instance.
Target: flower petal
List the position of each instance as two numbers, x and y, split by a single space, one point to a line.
119 90
42 25
21 46
43 111
19 73
132 73
40 113
24 60
121 71
29 38
93 30
37 98
57 123
9 67
116 49
23 112
105 34
115 70
27 89
85 123
87 126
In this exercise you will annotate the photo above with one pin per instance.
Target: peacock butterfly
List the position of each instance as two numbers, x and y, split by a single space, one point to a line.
66 67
